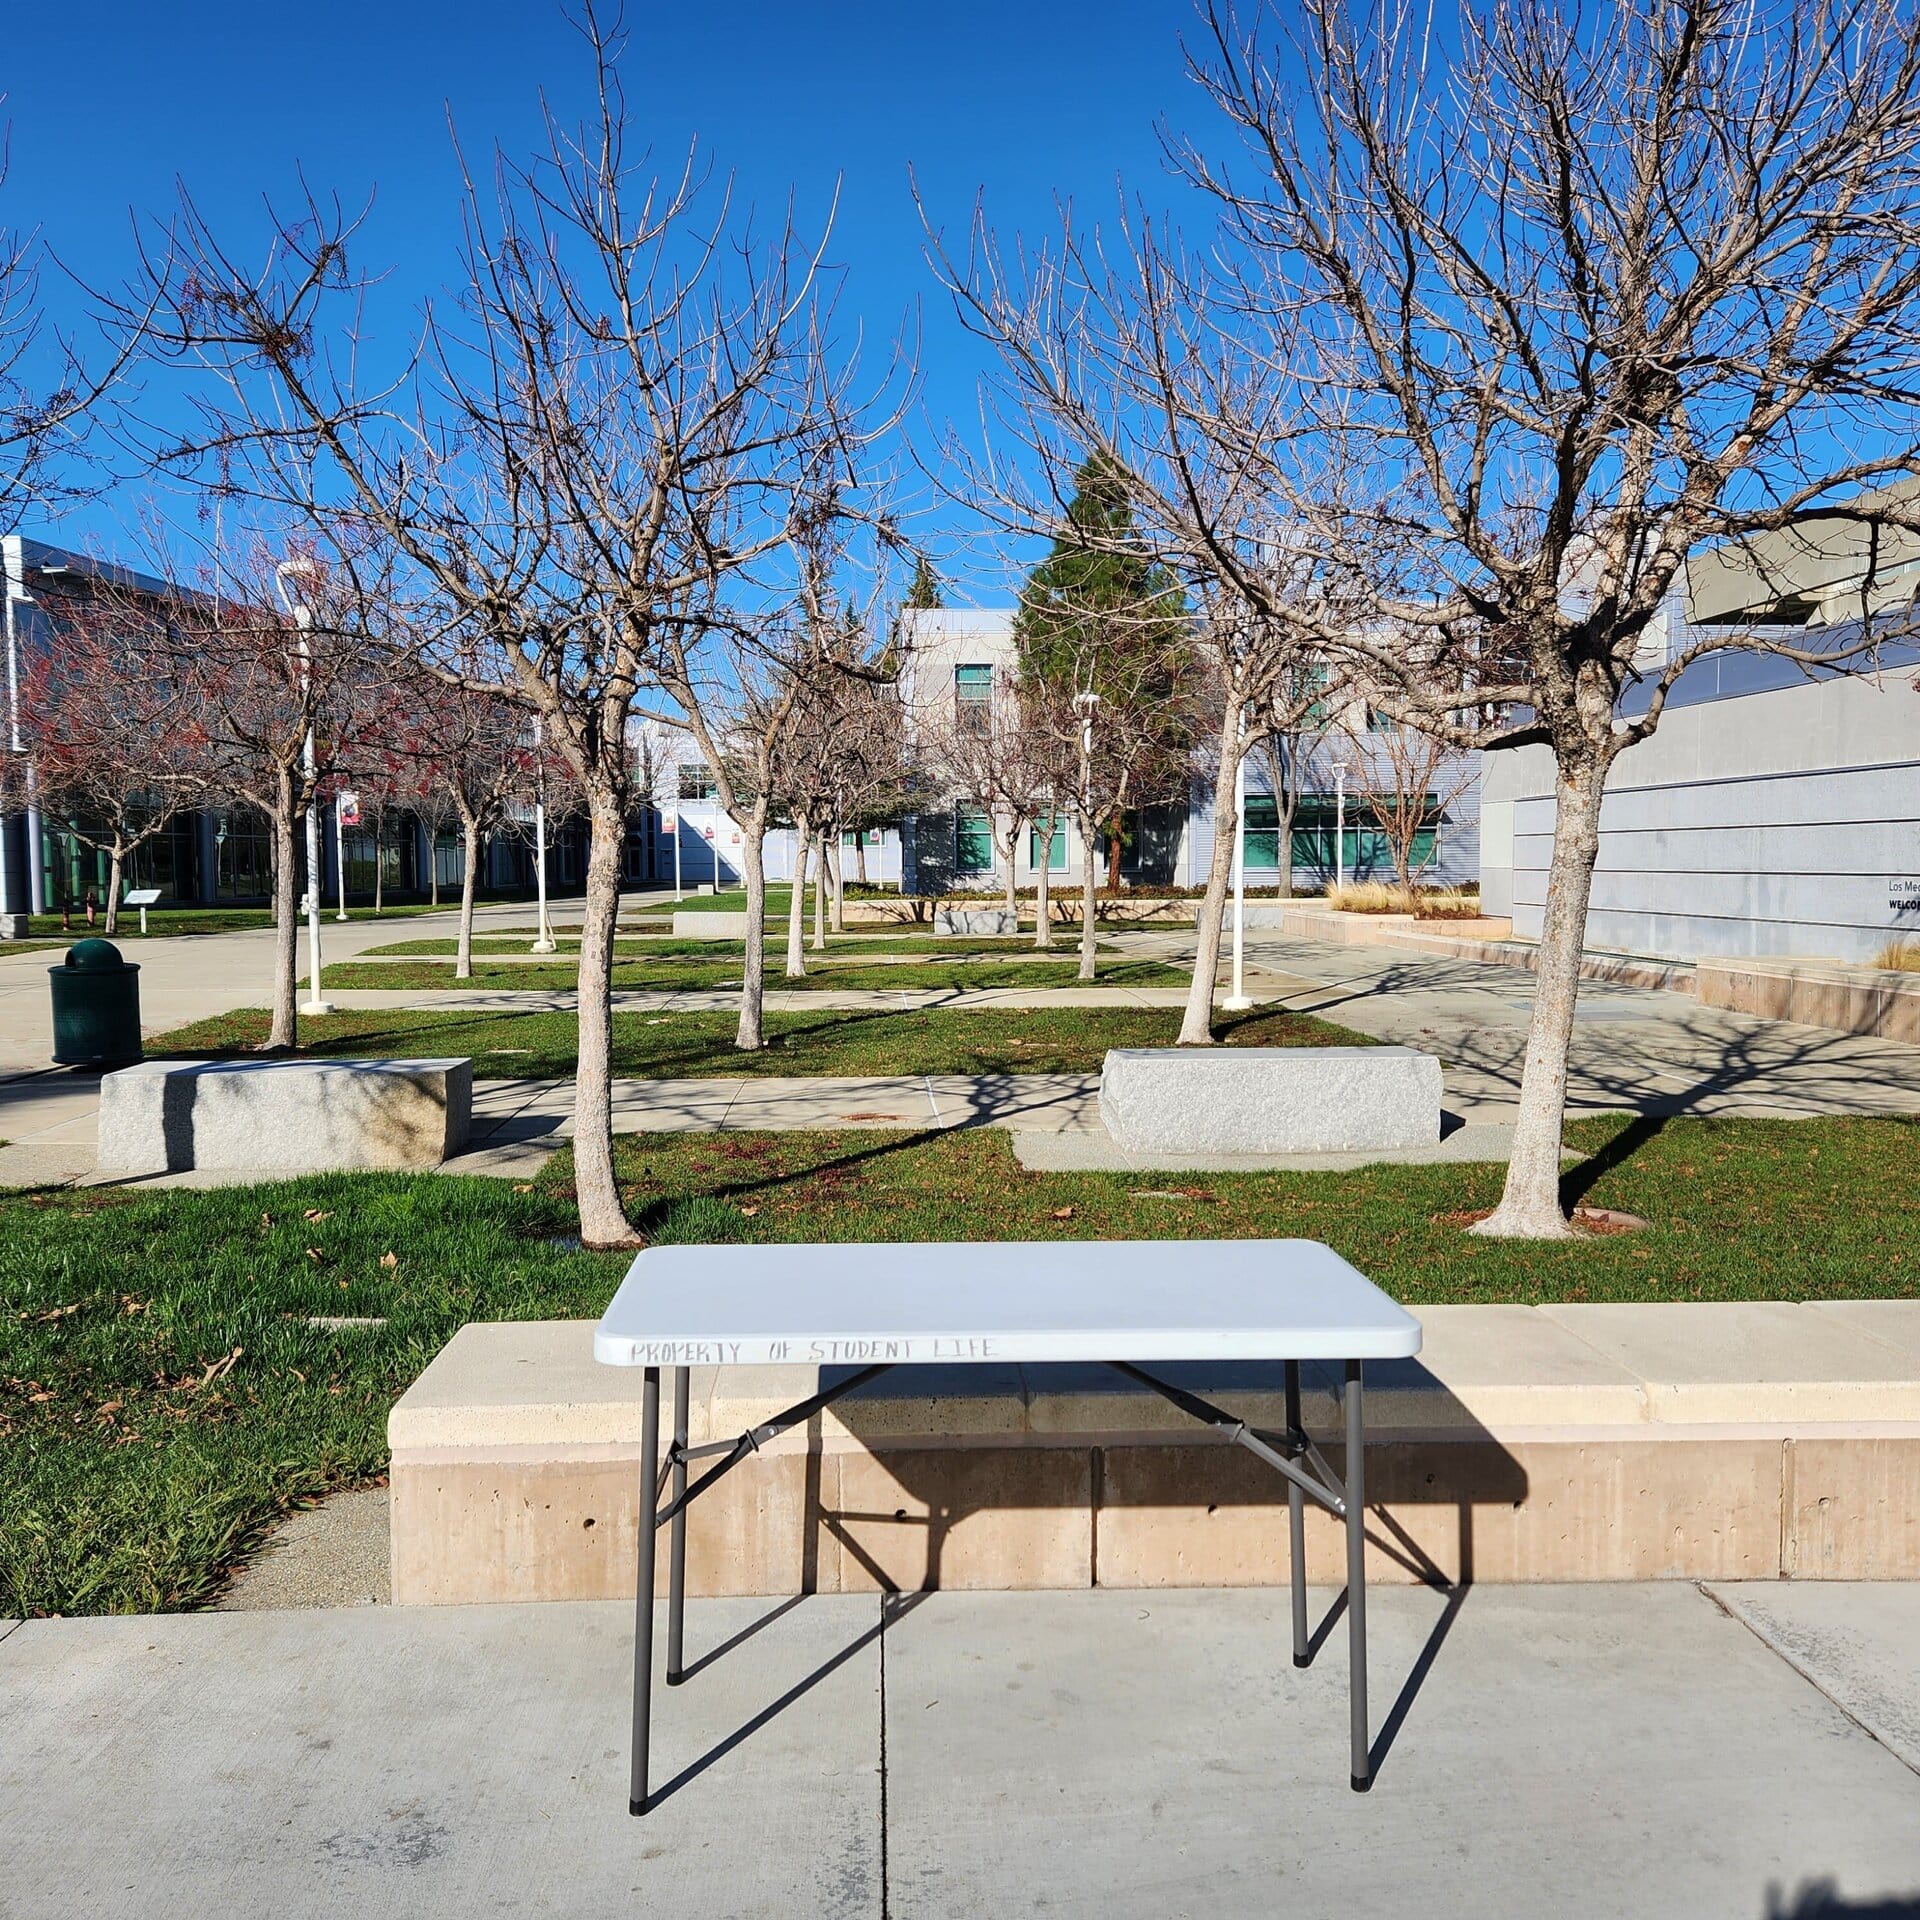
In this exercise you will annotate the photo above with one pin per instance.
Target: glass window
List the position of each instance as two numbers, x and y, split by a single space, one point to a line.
972 696
243 857
1056 852
1262 831
972 840
697 783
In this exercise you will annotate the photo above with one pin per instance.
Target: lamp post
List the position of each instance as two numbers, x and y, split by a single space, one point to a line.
543 937
1339 823
1238 1001
340 853
1085 704
301 613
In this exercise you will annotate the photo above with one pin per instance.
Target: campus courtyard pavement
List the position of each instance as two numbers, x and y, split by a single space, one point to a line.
1629 1751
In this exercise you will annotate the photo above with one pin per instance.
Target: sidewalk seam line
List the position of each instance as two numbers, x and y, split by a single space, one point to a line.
1787 1660
885 1890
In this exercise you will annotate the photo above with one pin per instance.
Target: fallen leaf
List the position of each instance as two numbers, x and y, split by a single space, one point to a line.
266 1219
749 1211
525 1186
1063 1213
314 1253
316 1213
387 1260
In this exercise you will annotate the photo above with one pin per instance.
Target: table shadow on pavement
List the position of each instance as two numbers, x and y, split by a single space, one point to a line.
1082 1512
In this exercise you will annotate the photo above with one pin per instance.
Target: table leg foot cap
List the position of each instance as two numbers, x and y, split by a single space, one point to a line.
1362 1782
636 1807
1303 1659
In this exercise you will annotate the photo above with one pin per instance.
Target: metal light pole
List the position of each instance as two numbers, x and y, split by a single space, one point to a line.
340 857
679 892
1340 823
1238 1001
302 615
1084 705
543 941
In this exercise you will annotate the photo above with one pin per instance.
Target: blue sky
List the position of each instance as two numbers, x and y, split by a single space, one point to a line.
109 104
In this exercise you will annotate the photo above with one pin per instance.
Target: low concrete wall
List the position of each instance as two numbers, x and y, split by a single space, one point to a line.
695 925
1868 1000
975 920
1748 1441
285 1116
1270 1099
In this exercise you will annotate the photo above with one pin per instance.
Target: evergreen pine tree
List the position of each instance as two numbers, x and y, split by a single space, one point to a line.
924 594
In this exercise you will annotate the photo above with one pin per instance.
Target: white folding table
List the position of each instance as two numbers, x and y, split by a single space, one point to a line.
870 1308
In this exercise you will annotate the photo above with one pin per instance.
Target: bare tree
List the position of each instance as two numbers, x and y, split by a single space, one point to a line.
1411 779
471 747
627 404
47 391
1612 284
985 752
1230 454
120 750
273 690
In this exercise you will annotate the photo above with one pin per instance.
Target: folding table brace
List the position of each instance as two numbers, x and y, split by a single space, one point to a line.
1284 1453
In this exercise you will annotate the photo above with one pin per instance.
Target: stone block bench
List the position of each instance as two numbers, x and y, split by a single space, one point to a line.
975 920
1690 1441
707 925
284 1116
1270 1099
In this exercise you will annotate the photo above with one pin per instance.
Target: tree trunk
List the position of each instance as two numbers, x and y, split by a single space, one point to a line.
116 859
433 865
860 855
1089 897
838 870
797 905
750 1037
1196 1024
603 1222
379 863
283 1033
1012 852
1113 852
1529 1206
1043 909
469 852
820 894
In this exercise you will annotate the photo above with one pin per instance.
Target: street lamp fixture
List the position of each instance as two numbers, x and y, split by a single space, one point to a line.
299 609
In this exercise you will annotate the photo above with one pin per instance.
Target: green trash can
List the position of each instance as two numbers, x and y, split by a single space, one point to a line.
96 1007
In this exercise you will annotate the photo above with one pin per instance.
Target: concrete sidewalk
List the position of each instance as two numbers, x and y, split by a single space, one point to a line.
1597 1751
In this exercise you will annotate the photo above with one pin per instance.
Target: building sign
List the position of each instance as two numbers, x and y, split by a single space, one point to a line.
1903 895
349 805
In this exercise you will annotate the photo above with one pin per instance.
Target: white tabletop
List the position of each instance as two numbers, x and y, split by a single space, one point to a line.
1036 1301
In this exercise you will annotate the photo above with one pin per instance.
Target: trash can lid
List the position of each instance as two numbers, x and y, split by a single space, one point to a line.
97 956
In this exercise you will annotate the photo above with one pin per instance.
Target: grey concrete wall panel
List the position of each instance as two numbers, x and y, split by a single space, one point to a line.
1777 823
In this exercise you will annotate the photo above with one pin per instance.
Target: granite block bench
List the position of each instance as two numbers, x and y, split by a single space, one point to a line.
284 1116
1270 1099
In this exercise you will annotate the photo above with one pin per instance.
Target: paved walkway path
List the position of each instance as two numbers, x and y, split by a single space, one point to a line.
1634 1049
1738 1754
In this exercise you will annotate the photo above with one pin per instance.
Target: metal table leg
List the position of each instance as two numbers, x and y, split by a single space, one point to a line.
1296 1525
677 1535
643 1590
1356 1497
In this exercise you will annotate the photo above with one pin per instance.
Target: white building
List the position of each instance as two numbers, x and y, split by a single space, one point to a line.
953 661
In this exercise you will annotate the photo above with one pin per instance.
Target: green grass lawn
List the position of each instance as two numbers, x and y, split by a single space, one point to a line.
684 976
166 1395
846 948
179 920
541 1044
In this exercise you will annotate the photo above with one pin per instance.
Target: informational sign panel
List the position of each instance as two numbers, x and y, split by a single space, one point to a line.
349 805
